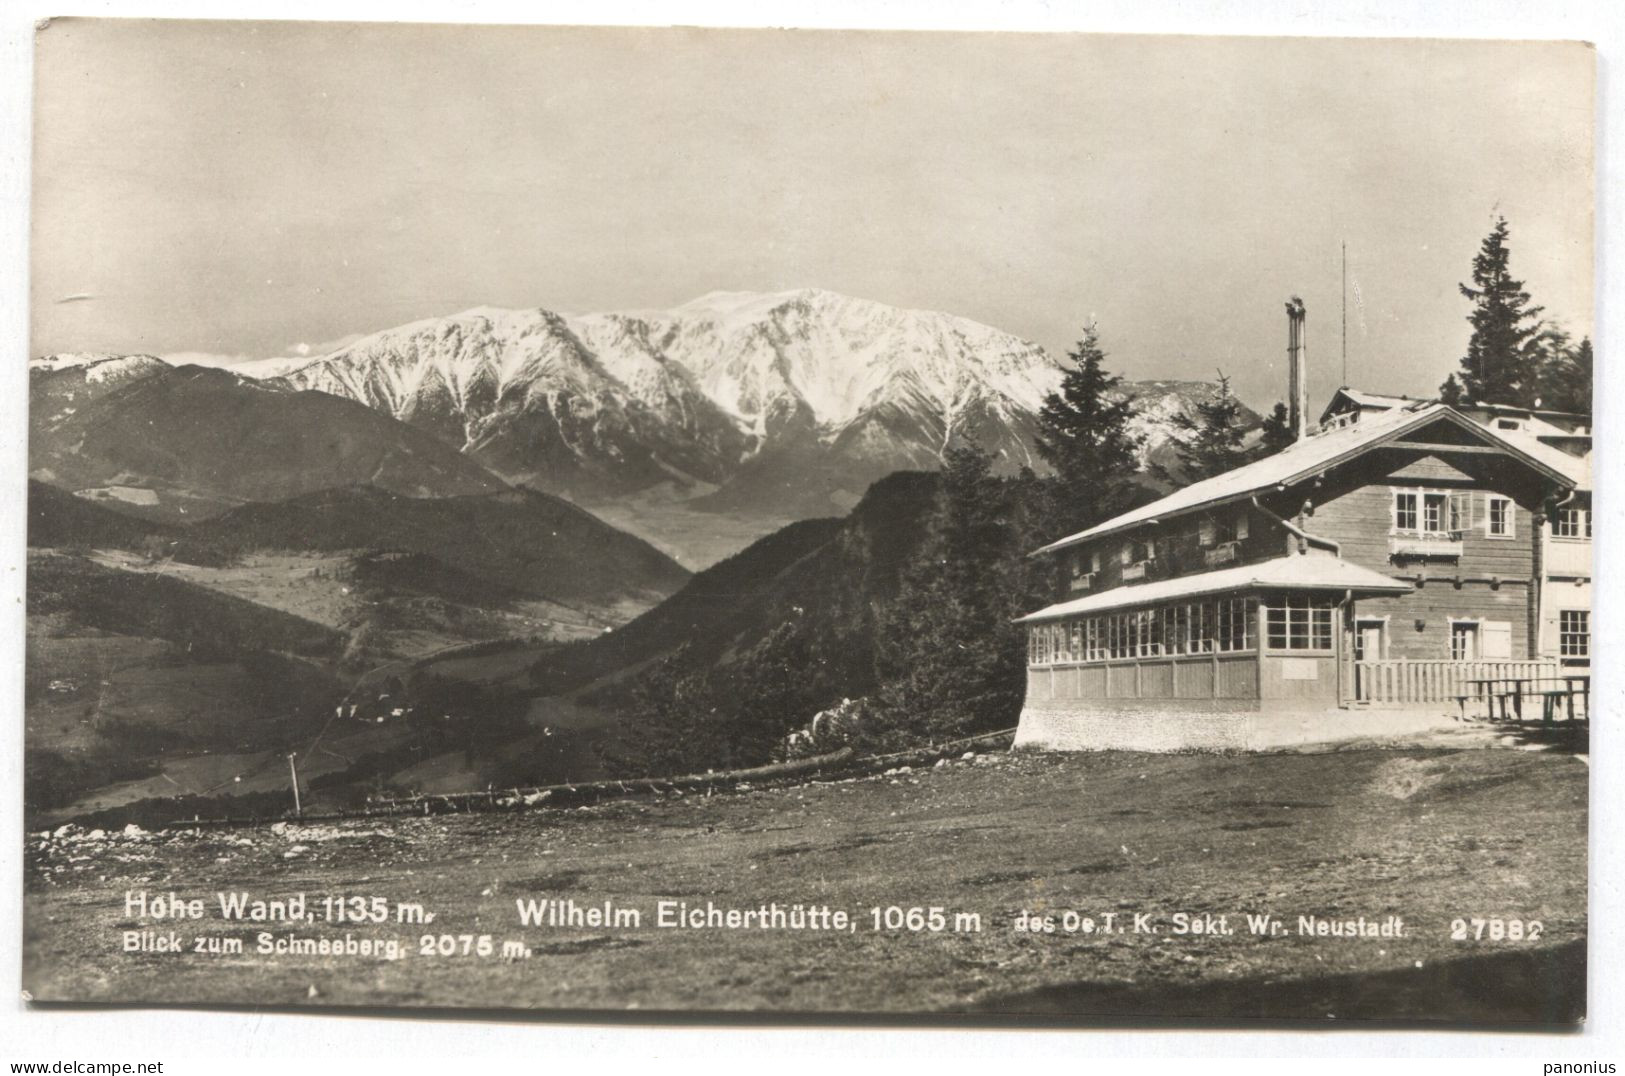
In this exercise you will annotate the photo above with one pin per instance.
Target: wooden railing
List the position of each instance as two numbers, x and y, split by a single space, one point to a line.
1402 680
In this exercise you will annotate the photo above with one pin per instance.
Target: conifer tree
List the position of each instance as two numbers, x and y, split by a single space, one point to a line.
1565 373
1278 431
1212 442
1502 363
950 659
1450 392
1083 434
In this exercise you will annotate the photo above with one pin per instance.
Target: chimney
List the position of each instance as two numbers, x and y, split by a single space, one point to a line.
1296 391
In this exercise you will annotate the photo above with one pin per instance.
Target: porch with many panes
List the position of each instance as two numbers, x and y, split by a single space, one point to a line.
1278 648
1243 647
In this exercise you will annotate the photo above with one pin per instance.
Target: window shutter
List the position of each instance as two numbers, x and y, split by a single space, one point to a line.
1204 532
1241 526
1461 511
1125 556
1495 639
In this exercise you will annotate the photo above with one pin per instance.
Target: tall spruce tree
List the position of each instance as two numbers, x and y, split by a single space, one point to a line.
1083 434
950 660
1212 442
1503 359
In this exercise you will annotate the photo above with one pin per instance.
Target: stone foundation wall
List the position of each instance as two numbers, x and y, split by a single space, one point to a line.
1141 725
1205 725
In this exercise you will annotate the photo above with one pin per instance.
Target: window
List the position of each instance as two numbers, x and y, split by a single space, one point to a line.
1461 511
1405 511
1574 633
1241 526
1220 625
1464 640
1299 622
1507 424
1206 533
1572 523
1499 517
1431 512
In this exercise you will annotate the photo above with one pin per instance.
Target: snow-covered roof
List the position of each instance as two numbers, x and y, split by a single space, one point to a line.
1313 455
1298 571
1366 400
1577 469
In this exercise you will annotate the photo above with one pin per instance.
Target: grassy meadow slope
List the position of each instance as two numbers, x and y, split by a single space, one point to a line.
125 671
1425 834
515 541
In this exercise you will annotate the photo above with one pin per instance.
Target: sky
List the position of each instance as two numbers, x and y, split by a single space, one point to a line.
248 190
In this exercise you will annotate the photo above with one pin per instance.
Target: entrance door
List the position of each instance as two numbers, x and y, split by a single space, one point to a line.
1368 646
1368 639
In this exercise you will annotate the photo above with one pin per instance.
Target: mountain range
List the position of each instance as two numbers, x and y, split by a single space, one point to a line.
785 404
698 428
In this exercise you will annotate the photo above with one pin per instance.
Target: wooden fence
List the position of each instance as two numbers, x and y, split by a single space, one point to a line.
1403 681
837 764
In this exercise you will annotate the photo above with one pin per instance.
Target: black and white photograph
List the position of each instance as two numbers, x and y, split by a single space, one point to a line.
759 523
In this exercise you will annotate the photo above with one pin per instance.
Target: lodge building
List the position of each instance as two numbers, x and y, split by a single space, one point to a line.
1380 563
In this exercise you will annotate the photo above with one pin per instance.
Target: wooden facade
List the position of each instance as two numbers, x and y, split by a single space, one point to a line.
1440 521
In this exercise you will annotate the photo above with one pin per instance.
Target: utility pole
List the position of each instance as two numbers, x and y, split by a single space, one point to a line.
293 770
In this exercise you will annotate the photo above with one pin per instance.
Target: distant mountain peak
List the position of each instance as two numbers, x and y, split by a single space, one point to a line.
780 403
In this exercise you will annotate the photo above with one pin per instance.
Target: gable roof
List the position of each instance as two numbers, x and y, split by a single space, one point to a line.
1315 571
1312 455
1577 469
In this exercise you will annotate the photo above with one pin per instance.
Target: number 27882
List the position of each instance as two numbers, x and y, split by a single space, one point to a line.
1495 930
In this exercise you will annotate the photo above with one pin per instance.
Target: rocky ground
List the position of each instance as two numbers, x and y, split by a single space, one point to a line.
1427 834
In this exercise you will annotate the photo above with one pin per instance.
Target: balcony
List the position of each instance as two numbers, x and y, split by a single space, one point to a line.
1224 553
1425 545
1138 570
1568 559
1082 581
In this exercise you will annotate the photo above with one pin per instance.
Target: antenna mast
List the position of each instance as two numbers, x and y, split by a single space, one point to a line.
1345 312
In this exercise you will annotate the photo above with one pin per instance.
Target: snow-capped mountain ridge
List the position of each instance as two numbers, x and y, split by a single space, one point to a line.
621 400
780 404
